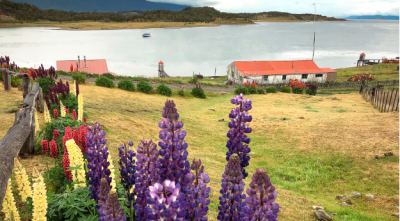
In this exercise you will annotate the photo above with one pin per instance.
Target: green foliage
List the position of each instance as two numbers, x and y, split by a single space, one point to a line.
271 89
1 77
285 89
164 90
311 92
181 93
198 92
63 73
15 81
79 77
297 90
145 87
253 90
72 205
70 102
108 75
193 80
55 178
242 90
138 79
105 82
92 75
260 91
126 85
44 82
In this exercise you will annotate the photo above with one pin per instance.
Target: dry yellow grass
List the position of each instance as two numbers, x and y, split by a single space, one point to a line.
343 126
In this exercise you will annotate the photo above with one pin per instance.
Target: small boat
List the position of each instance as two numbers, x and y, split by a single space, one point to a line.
146 35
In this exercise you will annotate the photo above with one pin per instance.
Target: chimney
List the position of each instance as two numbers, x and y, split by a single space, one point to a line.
84 58
256 70
79 62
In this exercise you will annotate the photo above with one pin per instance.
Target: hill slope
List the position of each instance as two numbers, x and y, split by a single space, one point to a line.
387 17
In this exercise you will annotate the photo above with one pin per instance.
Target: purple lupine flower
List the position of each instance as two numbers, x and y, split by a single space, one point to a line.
127 170
165 202
231 201
103 192
56 99
77 88
173 164
55 88
47 101
197 195
238 140
49 88
146 174
261 197
97 158
111 210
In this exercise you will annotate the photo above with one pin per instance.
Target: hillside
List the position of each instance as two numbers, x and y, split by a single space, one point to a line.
288 17
386 17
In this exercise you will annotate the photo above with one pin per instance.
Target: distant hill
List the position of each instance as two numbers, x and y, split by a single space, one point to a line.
386 17
102 5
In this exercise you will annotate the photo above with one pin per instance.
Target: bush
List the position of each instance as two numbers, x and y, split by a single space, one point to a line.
15 81
253 90
92 75
164 90
55 177
79 77
198 92
193 80
271 89
126 85
43 82
63 73
311 89
145 87
108 75
178 82
105 82
260 91
138 79
297 90
285 89
242 90
181 93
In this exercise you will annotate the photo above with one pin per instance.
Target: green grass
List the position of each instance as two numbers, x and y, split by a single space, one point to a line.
382 72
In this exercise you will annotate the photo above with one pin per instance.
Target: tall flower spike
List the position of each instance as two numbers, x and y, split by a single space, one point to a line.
112 172
62 109
97 154
56 133
77 88
37 128
111 210
82 133
231 205
238 140
76 158
9 207
261 197
53 149
55 113
66 164
45 146
73 116
80 107
46 115
24 187
75 136
39 198
165 202
146 173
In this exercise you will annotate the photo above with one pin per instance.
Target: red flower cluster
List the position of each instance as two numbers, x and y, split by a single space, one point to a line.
53 149
68 174
84 119
56 134
66 111
44 146
73 116
82 133
296 83
253 84
55 114
75 136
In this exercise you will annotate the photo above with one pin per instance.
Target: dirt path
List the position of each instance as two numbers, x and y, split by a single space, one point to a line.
172 86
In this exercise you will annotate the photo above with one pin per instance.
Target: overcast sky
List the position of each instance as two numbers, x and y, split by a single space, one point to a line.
336 8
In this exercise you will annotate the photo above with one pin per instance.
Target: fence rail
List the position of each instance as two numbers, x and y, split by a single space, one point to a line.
384 101
344 85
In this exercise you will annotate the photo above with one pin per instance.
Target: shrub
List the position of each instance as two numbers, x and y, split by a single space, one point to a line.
44 82
138 79
79 77
271 89
55 178
105 82
253 90
297 90
178 82
108 75
198 91
260 91
242 90
145 87
15 81
63 73
311 89
164 90
126 85
70 102
92 75
193 80
285 89
1 76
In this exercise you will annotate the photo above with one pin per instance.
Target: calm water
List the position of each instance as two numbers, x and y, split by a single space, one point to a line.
202 49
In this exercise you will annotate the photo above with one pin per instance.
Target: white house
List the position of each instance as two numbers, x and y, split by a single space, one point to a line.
279 72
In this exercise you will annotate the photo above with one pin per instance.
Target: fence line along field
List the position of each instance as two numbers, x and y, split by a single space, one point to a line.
383 100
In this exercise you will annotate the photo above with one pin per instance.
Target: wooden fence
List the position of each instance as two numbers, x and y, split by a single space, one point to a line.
345 84
383 100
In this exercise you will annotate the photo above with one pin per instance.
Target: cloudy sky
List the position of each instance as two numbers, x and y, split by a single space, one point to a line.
336 8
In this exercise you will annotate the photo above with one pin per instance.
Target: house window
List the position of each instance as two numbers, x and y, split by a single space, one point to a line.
265 77
318 75
304 76
233 74
241 78
283 77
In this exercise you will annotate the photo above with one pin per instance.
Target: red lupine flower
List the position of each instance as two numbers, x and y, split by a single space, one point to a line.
44 146
83 131
55 114
84 119
71 68
6 65
73 116
2 66
20 72
67 173
31 68
56 134
66 111
75 136
53 149
64 141
23 70
68 133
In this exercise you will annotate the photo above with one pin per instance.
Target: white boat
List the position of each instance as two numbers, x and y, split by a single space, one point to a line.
146 35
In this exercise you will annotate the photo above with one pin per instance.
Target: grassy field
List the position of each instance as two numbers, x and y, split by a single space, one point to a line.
313 148
382 72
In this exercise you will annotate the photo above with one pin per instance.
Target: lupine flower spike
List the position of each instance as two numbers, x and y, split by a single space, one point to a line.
76 158
80 107
9 207
55 114
44 146
39 198
53 149
82 133
55 134
37 128
111 210
24 187
73 116
62 109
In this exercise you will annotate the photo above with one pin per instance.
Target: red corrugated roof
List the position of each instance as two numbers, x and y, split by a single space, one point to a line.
279 67
160 62
362 53
96 66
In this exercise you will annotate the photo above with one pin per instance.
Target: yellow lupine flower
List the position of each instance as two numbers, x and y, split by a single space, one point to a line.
75 159
62 109
72 88
46 114
36 123
23 184
111 167
9 208
39 197
80 107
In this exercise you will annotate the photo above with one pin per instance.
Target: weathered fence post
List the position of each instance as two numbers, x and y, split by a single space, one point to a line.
390 100
26 84
395 99
7 81
40 103
386 101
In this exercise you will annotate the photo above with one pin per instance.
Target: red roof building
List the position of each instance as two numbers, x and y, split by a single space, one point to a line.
94 66
271 72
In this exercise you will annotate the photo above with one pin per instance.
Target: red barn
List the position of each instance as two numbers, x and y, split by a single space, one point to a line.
93 66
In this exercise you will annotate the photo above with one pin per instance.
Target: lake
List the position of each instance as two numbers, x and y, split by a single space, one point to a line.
202 49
